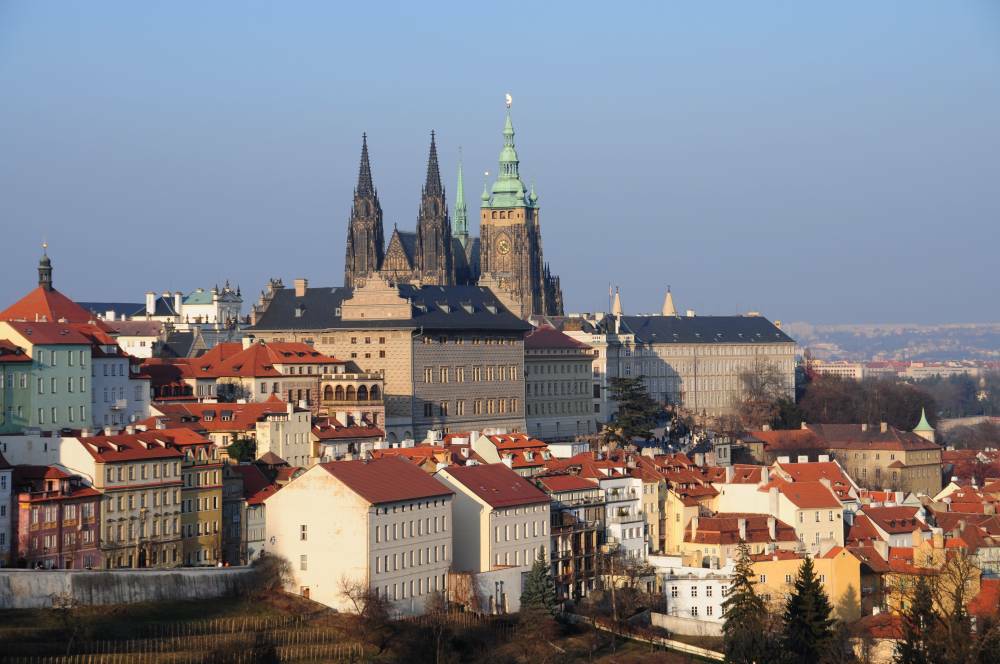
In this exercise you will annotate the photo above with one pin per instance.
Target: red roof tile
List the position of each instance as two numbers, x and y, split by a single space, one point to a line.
130 447
49 333
547 336
896 520
723 528
854 437
558 483
805 495
10 352
987 602
386 480
497 484
48 305
211 417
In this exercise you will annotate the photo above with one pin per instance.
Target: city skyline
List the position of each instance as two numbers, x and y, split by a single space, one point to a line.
749 180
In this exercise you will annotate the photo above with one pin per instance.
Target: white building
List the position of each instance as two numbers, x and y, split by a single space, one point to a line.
139 338
7 535
119 396
382 524
288 434
694 595
624 520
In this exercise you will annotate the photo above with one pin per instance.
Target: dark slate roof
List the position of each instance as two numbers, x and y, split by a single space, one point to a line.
178 344
409 242
121 309
433 307
703 329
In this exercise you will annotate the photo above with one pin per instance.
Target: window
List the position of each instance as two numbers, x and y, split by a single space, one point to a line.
443 373
303 532
673 591
763 578
303 563
694 611
708 610
708 591
694 591
428 375
788 578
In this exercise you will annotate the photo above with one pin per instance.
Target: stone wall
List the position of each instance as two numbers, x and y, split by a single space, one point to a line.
32 589
686 626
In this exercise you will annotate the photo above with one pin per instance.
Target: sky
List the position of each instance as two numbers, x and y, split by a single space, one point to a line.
822 162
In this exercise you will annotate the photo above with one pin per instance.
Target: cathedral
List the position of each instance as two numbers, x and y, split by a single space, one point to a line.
506 258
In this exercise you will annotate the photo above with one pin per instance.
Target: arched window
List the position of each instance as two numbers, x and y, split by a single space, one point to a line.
339 393
362 393
374 393
351 395
327 393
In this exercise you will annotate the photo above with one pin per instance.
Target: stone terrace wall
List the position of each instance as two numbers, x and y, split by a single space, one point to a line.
32 589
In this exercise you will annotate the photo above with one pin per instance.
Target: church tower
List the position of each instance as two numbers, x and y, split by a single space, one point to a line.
510 253
433 260
365 236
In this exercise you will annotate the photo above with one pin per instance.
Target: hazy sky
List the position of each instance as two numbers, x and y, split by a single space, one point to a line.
836 163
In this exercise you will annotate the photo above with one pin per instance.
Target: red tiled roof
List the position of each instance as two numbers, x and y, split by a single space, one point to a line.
515 441
257 360
558 483
331 429
48 305
10 352
723 528
224 416
779 554
829 470
386 480
547 336
869 556
887 626
49 333
253 478
788 439
896 520
805 495
853 437
497 484
862 530
130 447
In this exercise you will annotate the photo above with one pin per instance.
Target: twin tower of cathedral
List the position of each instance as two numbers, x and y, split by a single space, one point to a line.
507 257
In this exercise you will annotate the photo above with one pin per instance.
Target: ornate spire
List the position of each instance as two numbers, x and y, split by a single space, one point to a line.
45 269
616 307
433 184
461 213
508 190
365 186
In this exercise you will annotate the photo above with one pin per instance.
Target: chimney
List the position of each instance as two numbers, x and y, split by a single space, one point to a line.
824 458
161 423
784 459
86 432
178 301
690 313
766 427
108 431
150 303
883 427
864 426
248 341
803 458
772 528
300 287
803 426
742 523
729 474
130 430
694 527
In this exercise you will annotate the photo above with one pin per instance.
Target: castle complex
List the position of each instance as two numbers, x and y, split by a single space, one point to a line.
506 258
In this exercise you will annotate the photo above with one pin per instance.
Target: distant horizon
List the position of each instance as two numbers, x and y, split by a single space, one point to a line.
825 164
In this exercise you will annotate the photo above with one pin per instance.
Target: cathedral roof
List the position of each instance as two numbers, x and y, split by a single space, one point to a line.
432 307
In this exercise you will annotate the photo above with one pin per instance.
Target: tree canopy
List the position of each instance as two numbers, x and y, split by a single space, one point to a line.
807 626
637 412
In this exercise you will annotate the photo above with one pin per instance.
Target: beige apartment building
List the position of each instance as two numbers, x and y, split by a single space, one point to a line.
557 385
141 478
451 357
883 457
383 525
685 359
501 518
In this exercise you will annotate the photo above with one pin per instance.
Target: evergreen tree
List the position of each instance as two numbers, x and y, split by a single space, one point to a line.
918 622
806 621
743 612
539 596
637 411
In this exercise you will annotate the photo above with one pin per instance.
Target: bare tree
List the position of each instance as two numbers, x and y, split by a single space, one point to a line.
761 386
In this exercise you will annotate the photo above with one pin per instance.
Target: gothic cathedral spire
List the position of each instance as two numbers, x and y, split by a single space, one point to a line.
434 258
365 235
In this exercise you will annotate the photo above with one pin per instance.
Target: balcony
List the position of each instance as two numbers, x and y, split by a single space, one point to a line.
119 404
627 518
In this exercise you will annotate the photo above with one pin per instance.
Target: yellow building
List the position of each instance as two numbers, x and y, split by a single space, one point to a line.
946 564
711 541
838 571
201 501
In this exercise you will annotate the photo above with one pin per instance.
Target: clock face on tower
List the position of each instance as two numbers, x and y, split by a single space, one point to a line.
503 244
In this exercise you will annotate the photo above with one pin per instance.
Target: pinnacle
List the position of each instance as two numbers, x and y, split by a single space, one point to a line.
365 186
433 184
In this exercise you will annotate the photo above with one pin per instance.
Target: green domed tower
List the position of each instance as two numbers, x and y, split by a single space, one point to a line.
510 254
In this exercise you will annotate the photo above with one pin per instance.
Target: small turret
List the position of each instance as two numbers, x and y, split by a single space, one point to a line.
668 304
45 269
